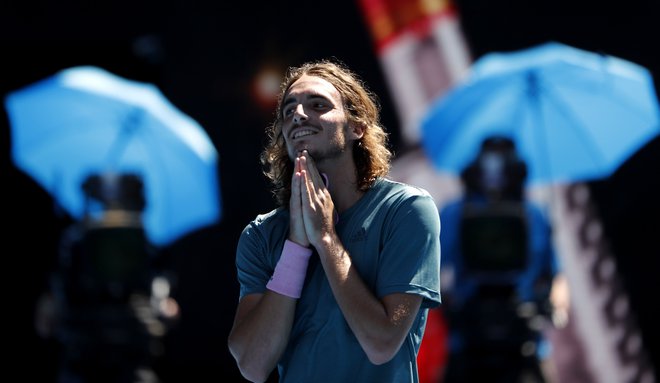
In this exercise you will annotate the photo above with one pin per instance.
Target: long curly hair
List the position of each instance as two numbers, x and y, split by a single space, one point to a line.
371 153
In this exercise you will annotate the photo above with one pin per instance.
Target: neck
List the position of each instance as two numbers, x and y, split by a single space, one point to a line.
342 185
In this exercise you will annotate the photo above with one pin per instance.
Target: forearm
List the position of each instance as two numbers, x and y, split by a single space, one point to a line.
261 333
380 328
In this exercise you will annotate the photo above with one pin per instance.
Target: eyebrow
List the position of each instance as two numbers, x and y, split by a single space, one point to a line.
290 100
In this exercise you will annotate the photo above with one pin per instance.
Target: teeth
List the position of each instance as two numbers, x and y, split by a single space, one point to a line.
303 133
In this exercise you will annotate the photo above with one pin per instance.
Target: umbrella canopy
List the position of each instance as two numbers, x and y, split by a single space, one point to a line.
573 114
85 120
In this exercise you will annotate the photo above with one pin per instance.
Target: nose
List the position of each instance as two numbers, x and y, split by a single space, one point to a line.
299 114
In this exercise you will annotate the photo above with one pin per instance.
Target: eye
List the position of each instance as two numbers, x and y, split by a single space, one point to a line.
320 105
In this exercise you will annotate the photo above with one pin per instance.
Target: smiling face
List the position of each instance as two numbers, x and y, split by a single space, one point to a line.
314 119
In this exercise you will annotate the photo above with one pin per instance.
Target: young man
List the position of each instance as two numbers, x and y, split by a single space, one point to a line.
336 283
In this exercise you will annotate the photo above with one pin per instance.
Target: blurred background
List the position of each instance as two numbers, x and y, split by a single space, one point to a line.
213 61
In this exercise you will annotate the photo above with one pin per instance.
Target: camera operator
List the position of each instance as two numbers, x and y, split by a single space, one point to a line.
498 268
108 304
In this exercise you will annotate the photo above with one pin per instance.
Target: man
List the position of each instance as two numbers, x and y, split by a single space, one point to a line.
499 269
336 283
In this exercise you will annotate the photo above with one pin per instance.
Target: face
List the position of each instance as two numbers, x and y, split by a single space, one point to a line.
492 170
314 119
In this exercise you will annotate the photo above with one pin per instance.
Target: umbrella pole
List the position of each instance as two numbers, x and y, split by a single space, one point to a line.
128 128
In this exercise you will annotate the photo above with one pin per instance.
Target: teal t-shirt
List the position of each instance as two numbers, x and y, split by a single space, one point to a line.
393 237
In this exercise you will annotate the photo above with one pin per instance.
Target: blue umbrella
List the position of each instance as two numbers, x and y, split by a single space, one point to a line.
574 115
85 120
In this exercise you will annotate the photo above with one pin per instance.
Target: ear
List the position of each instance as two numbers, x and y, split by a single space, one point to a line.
356 130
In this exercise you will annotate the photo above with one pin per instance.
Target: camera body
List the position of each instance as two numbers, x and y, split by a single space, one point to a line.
496 328
109 322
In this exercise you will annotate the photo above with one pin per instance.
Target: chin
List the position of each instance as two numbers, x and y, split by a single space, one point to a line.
293 153
299 148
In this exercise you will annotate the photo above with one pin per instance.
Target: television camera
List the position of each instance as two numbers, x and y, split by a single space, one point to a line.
111 292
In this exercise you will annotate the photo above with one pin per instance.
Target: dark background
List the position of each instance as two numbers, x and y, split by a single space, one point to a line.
203 56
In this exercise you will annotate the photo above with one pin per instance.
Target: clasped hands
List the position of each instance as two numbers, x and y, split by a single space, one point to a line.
312 212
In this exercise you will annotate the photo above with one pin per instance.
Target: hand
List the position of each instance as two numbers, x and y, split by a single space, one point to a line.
318 209
296 225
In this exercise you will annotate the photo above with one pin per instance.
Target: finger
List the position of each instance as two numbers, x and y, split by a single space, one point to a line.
315 196
296 223
303 185
306 188
302 174
307 163
295 180
296 187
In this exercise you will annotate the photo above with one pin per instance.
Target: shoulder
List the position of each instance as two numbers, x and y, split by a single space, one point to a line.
272 215
266 221
402 199
263 232
392 187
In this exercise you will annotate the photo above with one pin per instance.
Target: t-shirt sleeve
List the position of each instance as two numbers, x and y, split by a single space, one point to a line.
252 266
410 257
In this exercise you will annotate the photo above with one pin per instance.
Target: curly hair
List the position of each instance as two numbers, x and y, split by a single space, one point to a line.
371 153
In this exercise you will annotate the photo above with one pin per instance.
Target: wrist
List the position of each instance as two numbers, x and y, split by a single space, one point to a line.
328 240
296 243
290 271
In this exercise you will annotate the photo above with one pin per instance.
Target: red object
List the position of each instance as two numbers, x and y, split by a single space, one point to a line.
387 20
433 352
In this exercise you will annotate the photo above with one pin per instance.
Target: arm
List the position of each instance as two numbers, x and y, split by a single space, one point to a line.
380 325
260 333
559 292
560 301
263 322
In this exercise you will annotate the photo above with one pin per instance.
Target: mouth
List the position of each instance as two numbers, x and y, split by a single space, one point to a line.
302 132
